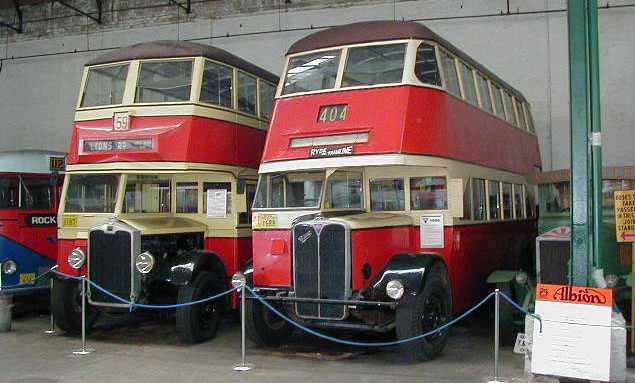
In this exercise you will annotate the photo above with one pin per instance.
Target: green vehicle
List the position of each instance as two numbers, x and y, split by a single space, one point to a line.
551 264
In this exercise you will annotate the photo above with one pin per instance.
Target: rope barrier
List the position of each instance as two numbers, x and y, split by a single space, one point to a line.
368 344
521 309
29 284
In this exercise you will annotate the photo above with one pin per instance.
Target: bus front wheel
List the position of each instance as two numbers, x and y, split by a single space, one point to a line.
264 327
199 322
66 304
426 311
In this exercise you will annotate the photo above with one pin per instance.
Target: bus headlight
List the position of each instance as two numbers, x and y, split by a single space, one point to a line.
76 258
394 289
144 262
9 267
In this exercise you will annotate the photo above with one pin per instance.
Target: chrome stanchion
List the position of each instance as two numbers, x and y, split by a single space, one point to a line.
51 330
496 378
239 281
84 350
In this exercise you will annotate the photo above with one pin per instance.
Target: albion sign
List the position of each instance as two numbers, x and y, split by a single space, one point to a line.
41 220
575 294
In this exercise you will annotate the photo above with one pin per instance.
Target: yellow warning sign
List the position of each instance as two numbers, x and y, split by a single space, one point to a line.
625 215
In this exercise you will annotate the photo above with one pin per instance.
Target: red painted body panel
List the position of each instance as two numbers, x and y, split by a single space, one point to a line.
176 139
234 252
271 269
471 253
64 247
417 120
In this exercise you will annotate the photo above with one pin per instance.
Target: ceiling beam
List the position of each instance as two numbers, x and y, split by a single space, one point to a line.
187 7
90 16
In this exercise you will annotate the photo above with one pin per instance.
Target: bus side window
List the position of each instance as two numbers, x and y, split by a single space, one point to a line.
518 201
507 201
479 199
36 193
467 79
9 192
244 218
449 74
387 195
426 68
187 197
498 101
467 201
217 186
246 93
428 193
217 84
493 191
530 205
483 91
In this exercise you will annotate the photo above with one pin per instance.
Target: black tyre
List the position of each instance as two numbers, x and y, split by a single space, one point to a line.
507 330
264 327
66 304
428 310
198 323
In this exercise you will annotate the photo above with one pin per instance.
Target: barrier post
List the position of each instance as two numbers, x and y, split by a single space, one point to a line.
51 330
496 378
239 281
84 350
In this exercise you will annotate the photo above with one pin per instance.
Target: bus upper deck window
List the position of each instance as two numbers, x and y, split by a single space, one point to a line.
217 84
105 85
469 88
483 89
498 101
374 65
246 93
426 68
450 75
164 81
387 195
521 114
510 116
313 71
9 192
428 193
267 93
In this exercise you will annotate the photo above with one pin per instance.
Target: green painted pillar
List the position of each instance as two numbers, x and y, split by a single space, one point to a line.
596 129
580 148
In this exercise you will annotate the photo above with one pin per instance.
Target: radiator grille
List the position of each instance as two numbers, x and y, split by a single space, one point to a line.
109 263
554 261
321 268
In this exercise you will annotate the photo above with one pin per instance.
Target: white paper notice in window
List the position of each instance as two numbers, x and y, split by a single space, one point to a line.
216 203
431 229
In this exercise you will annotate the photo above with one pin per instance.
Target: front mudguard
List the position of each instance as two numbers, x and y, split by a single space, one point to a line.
181 270
524 293
410 269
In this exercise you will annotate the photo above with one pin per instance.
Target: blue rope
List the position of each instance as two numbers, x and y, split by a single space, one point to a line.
20 285
369 344
160 307
521 309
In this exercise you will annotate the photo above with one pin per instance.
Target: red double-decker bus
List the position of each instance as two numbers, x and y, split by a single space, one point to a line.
162 172
393 182
30 185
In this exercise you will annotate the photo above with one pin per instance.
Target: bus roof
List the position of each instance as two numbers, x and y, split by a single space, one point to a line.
385 30
169 49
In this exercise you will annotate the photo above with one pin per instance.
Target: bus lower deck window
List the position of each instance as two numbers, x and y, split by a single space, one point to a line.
493 191
387 195
428 193
187 197
9 192
147 194
507 201
480 203
518 201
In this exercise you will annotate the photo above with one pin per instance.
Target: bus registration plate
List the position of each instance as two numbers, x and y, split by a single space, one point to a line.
27 279
69 221
267 220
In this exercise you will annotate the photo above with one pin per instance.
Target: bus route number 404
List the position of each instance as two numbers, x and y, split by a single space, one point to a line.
332 113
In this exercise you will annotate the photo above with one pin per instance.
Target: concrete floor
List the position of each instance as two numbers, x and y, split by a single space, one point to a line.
130 349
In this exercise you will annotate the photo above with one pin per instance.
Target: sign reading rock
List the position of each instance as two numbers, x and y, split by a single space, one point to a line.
575 341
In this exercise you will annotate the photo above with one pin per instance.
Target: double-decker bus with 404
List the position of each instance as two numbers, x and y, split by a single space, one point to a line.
161 176
392 183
